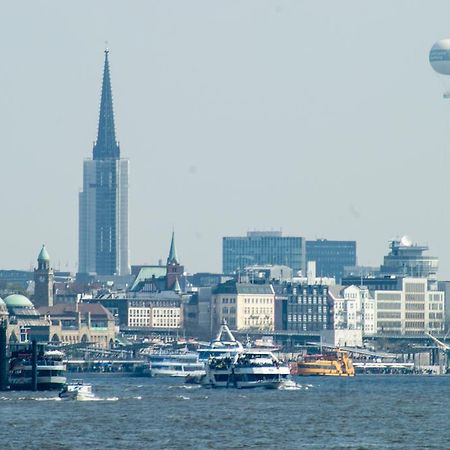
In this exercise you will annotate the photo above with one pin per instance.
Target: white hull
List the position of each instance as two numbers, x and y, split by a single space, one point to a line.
176 373
77 391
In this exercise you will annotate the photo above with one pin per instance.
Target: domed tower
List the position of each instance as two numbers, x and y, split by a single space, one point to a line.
174 268
43 280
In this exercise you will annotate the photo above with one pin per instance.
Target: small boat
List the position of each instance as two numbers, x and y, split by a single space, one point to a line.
77 390
337 364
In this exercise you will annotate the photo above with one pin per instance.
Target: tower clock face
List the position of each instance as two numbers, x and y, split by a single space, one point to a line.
41 278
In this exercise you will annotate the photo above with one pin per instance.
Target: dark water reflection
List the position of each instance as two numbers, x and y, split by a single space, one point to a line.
367 412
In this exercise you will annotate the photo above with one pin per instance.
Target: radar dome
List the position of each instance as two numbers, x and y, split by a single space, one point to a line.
440 57
405 241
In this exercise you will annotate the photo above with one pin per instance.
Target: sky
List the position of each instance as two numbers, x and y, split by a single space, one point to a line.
320 118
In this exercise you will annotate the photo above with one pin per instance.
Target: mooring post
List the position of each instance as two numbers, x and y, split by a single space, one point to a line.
33 365
3 357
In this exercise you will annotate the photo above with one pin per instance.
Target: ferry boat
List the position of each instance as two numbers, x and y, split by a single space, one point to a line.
247 369
176 365
223 345
51 370
77 390
337 364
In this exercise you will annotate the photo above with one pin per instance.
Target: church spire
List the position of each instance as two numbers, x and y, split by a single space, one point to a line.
106 146
172 259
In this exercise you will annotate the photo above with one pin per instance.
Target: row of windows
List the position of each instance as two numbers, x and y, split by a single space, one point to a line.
231 310
309 310
388 296
228 300
308 300
258 300
258 321
389 315
306 318
267 311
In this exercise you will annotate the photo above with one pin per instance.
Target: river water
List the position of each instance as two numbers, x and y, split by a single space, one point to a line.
365 412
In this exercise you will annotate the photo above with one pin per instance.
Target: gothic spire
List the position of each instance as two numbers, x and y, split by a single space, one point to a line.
106 146
172 259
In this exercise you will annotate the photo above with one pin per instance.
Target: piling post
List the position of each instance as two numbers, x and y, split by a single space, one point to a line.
33 365
3 357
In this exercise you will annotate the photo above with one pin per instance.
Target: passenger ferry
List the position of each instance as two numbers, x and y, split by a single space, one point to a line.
247 369
337 364
51 371
176 365
229 364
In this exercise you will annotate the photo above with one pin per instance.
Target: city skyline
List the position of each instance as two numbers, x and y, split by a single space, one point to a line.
203 137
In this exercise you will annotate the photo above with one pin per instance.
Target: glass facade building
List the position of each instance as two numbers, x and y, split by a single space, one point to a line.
331 256
263 248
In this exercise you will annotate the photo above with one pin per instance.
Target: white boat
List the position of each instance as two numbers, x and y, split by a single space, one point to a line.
77 390
247 369
51 370
176 365
224 345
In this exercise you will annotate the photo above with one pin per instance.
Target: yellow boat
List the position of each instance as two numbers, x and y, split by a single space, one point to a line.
337 364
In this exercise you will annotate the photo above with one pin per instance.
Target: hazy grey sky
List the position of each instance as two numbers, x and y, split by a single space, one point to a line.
322 118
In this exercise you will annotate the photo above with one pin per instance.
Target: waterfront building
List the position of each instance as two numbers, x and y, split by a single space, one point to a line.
244 306
144 311
412 310
331 257
25 322
444 286
262 248
103 202
69 324
43 280
374 283
353 309
406 259
81 323
307 307
155 311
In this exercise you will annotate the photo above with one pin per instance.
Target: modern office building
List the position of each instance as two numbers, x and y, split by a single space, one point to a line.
263 248
103 203
412 310
331 257
407 260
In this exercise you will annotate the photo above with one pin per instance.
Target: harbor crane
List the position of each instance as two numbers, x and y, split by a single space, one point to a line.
442 346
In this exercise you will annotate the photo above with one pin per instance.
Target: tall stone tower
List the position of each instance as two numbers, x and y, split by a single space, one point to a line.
103 214
174 269
43 280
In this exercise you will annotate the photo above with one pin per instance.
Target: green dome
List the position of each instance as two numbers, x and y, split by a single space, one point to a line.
18 301
43 255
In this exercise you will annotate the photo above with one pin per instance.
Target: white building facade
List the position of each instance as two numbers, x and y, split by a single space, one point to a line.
413 310
354 309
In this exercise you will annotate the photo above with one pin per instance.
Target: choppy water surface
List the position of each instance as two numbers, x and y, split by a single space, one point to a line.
366 412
